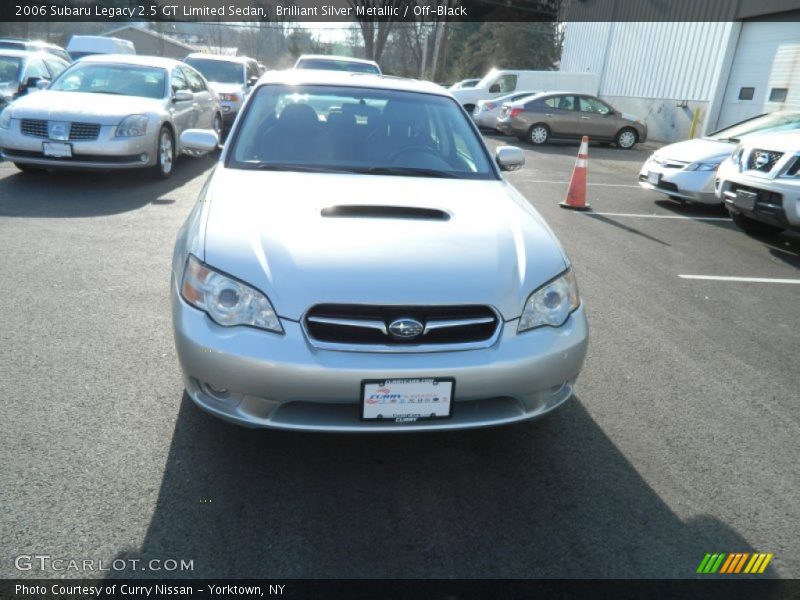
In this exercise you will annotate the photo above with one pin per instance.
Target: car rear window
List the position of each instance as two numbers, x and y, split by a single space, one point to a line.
327 64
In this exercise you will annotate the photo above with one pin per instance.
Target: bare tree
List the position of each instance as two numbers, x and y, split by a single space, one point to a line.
376 29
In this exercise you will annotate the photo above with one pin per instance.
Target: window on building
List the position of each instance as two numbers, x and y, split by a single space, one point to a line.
746 93
778 94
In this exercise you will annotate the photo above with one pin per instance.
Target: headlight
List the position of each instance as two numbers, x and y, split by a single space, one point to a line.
551 304
132 126
703 166
5 118
227 301
229 97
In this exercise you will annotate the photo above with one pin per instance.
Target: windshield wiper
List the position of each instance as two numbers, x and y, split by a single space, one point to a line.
408 172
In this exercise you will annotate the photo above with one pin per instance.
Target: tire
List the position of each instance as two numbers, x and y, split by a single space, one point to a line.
538 134
165 154
753 227
626 138
217 126
27 168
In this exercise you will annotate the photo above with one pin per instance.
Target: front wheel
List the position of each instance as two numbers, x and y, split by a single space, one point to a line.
538 134
218 127
754 227
165 153
626 138
26 168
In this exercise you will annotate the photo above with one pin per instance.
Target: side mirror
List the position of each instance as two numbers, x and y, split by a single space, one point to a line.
509 158
32 82
252 81
42 84
182 96
495 88
199 141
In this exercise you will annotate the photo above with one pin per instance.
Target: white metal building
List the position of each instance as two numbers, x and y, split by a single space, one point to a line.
663 71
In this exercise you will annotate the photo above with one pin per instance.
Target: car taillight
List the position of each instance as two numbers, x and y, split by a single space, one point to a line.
515 112
490 106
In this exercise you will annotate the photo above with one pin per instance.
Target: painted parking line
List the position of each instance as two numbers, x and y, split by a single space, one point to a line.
740 279
651 216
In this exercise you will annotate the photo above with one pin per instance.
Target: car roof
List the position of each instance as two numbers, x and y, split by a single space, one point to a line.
132 59
219 57
348 78
335 57
25 53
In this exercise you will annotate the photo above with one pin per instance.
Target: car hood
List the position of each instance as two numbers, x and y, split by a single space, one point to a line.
784 141
105 109
267 229
697 150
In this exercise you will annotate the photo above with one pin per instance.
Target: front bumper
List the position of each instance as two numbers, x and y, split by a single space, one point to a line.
281 381
777 200
694 186
104 153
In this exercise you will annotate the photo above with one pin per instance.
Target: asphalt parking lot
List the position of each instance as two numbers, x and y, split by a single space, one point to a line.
683 437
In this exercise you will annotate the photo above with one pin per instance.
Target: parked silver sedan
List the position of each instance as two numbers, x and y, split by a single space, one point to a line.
110 112
357 262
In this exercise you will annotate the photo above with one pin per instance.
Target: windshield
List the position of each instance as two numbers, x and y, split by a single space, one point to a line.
123 80
331 64
762 124
10 67
218 71
358 130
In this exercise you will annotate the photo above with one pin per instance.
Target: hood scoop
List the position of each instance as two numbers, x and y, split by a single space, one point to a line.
368 211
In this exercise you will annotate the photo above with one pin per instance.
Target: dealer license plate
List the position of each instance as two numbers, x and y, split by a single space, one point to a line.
653 177
407 400
57 149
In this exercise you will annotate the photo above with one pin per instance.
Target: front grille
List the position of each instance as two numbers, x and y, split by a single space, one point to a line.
84 131
34 128
763 160
366 324
77 131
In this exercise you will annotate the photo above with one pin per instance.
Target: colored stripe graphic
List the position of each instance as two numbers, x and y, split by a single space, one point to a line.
735 563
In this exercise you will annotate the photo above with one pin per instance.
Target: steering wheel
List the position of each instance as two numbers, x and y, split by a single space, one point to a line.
397 154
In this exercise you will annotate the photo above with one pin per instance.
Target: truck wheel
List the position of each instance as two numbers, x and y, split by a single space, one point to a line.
754 227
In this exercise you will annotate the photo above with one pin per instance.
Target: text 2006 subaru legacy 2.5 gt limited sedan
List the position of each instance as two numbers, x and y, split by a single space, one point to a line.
356 262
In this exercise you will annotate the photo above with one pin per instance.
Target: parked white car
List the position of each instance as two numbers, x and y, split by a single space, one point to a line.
686 171
760 183
487 111
231 77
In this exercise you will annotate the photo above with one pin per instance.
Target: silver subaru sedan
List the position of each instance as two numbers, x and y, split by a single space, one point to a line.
356 262
110 112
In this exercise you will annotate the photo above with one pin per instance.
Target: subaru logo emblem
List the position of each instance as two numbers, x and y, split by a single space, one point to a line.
762 158
405 329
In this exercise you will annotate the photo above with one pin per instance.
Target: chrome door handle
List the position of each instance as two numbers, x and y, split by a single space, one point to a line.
548 114
585 118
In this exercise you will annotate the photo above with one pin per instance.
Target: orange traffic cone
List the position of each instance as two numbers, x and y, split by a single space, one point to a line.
576 194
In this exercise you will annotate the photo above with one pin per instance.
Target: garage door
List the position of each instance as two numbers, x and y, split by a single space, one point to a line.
765 75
